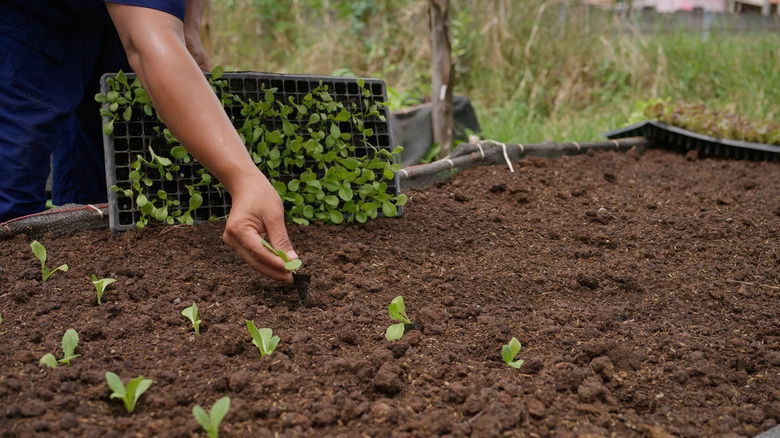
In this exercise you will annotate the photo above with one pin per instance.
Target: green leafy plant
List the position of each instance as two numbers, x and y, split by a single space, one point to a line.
101 285
321 173
192 314
397 312
695 117
1 319
263 339
129 394
509 351
290 265
210 421
70 340
40 252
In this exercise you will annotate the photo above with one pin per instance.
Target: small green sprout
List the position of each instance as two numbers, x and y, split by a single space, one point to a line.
40 252
70 340
262 339
132 393
101 285
509 351
397 312
1 319
192 314
290 265
210 421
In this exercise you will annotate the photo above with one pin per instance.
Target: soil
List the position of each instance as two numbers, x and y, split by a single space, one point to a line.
644 289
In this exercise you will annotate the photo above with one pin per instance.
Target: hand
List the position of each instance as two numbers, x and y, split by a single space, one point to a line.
195 47
257 210
192 19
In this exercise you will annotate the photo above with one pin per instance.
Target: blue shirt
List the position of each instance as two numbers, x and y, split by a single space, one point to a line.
38 24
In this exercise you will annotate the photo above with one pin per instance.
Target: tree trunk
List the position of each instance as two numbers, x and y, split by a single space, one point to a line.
441 86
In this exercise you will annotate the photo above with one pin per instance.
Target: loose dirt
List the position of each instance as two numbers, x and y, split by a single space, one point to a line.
644 289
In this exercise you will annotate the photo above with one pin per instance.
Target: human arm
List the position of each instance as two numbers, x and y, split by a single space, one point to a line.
157 52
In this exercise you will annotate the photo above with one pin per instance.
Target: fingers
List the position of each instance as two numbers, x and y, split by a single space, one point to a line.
246 242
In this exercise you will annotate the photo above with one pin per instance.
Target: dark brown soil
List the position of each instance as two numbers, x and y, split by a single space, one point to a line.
644 290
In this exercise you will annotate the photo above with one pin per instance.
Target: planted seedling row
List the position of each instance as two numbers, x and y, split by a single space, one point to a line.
262 338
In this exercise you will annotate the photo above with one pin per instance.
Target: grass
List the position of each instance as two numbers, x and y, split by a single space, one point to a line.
535 71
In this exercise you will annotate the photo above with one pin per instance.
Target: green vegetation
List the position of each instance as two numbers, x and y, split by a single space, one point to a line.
397 312
40 252
343 184
132 393
210 421
534 70
263 339
192 314
70 340
697 118
509 351
101 285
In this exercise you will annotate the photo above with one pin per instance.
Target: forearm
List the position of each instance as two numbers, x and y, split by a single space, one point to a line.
157 53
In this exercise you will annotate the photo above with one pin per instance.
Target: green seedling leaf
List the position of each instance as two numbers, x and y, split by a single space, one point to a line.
395 332
397 311
210 421
101 285
1 319
192 314
49 360
70 340
40 252
129 395
262 338
509 351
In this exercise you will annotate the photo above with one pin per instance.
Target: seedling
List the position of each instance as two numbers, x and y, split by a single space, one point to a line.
70 340
262 338
132 393
101 285
210 421
290 265
397 312
1 319
40 252
509 351
192 314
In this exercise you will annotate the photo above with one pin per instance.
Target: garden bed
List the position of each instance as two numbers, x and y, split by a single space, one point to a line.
643 289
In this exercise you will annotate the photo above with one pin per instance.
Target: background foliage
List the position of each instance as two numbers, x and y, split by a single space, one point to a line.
534 70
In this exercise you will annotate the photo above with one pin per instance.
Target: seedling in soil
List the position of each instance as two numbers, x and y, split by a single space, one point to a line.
397 312
262 338
101 285
1 319
132 393
210 421
70 340
192 314
290 265
40 252
509 351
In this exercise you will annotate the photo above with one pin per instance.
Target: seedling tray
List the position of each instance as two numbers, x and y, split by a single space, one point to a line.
134 137
671 137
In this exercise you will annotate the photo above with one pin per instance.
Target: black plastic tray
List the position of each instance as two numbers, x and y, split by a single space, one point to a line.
133 137
671 137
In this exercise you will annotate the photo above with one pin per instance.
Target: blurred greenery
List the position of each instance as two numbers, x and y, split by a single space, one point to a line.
534 70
